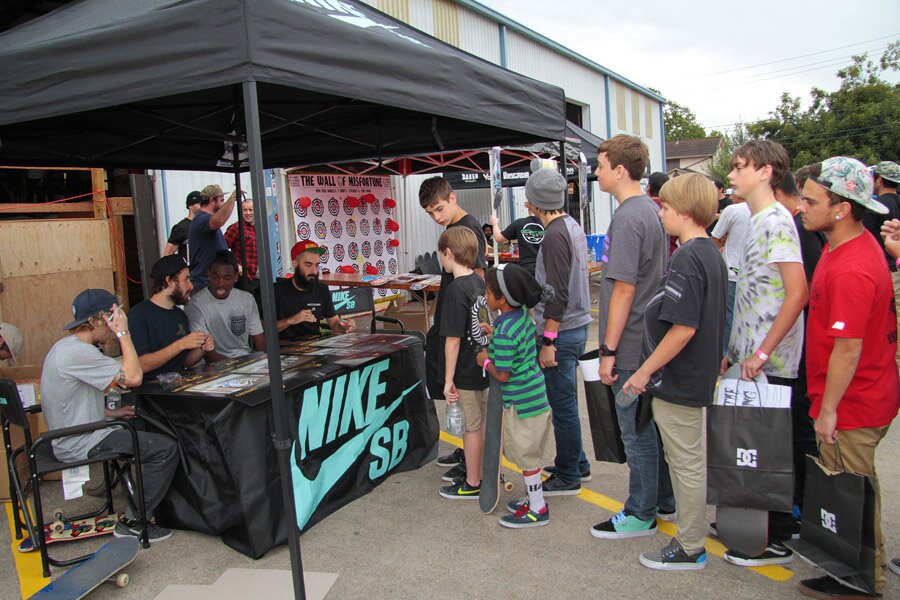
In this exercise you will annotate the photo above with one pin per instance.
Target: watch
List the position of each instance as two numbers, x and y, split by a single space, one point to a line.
548 342
605 351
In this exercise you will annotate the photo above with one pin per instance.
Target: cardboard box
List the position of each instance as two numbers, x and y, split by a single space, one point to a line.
412 315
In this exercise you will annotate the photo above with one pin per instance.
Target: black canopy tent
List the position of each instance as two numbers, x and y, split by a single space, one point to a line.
176 83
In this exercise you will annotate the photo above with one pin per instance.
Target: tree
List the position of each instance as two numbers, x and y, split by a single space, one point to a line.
681 123
860 119
720 165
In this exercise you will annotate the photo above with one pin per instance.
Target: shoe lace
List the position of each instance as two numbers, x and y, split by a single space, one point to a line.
522 511
620 517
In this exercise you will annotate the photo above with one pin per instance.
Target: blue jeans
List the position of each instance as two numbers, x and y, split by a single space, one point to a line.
562 394
729 312
649 483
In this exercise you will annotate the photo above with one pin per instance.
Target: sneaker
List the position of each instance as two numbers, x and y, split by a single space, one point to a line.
551 471
555 487
894 565
525 517
774 554
452 459
516 505
827 588
455 473
713 532
622 526
711 528
125 528
674 558
667 515
461 490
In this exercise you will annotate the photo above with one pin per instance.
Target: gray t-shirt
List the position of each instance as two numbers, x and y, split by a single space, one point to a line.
635 251
230 321
734 222
73 380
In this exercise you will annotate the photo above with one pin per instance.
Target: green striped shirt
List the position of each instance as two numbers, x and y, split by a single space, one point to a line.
513 350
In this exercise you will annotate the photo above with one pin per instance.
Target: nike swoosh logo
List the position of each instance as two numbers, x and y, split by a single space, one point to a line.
308 494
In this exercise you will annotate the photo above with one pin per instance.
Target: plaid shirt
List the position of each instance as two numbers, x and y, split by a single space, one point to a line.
233 241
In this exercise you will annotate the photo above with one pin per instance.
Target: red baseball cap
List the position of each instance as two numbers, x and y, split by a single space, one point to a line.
306 246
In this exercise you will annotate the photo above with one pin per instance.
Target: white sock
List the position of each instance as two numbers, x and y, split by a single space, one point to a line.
535 491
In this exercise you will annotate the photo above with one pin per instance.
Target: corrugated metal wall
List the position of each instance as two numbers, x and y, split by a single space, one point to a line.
446 21
399 9
479 36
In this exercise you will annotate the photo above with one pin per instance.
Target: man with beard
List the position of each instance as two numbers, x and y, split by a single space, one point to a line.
227 314
302 301
160 329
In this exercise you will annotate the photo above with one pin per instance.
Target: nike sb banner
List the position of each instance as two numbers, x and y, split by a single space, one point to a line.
356 428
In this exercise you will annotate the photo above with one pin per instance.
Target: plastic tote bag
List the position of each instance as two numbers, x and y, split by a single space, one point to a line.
601 406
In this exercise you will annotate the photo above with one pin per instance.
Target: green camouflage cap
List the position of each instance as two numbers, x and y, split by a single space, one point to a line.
889 170
849 178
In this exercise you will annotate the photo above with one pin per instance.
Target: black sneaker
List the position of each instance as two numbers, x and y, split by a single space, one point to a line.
551 471
713 532
674 558
455 473
894 565
461 490
556 487
774 554
452 459
826 588
125 528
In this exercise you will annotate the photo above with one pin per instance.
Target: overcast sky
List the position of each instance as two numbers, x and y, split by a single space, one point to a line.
704 53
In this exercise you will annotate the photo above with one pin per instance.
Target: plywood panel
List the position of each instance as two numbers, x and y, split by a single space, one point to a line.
53 246
41 304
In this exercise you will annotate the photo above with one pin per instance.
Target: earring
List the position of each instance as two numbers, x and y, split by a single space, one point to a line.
837 217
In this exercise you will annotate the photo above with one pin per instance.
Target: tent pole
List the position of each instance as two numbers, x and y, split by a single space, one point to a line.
281 436
562 164
236 165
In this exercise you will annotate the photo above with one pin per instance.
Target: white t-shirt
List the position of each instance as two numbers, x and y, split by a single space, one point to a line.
733 222
231 321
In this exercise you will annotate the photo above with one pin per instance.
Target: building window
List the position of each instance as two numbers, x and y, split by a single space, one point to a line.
575 113
635 112
648 117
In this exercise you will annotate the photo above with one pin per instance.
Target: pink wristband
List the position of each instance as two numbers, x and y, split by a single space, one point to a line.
898 263
486 362
762 355
551 335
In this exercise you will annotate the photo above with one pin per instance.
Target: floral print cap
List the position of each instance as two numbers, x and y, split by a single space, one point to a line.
849 178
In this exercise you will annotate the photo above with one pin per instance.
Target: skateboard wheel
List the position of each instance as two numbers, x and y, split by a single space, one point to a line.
122 580
508 486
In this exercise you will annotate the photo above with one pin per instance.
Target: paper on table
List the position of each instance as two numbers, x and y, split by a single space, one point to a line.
27 394
737 392
73 479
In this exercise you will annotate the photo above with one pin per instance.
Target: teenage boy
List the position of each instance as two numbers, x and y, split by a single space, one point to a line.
683 343
852 338
439 201
636 254
464 381
767 332
887 178
511 359
730 234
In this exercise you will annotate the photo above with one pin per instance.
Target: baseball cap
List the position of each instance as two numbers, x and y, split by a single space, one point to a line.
13 338
306 246
88 303
849 178
888 169
167 266
212 190
193 198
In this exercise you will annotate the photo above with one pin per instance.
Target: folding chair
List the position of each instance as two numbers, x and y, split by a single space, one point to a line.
360 302
41 461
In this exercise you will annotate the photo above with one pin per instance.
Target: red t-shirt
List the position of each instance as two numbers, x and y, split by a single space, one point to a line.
852 297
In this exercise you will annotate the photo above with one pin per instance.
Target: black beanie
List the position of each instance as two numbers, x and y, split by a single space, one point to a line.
520 287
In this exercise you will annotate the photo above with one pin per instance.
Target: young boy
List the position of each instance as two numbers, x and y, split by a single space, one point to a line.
439 201
767 328
684 328
464 382
511 359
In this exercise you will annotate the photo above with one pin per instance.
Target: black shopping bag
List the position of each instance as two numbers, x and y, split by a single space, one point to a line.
601 407
837 533
749 450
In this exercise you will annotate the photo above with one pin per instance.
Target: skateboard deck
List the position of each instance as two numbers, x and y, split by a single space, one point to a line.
61 530
421 285
743 529
493 446
83 578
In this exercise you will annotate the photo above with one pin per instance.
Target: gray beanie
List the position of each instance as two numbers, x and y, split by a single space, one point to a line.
546 189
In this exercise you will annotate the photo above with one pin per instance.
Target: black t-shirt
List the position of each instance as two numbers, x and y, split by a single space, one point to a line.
529 233
691 293
179 236
289 301
464 309
480 262
811 244
154 328
873 221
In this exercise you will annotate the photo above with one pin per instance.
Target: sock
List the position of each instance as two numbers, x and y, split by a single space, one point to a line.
535 491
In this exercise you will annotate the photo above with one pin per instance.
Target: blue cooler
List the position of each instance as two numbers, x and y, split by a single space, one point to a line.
595 244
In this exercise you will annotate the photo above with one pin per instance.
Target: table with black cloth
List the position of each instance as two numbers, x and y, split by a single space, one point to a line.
359 401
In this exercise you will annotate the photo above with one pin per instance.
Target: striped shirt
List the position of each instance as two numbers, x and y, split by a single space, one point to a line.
512 349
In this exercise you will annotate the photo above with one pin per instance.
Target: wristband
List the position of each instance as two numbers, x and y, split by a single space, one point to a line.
551 335
762 355
486 362
121 334
897 263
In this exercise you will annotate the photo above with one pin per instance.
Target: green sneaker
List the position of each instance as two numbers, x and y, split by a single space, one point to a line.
623 526
525 517
460 490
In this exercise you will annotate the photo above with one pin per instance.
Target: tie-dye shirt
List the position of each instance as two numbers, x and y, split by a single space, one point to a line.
771 239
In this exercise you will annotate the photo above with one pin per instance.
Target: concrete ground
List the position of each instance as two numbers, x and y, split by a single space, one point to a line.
404 541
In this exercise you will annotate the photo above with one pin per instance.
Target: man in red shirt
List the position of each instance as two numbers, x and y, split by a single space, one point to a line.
232 238
851 337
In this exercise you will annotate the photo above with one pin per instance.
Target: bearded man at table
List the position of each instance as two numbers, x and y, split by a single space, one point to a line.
302 301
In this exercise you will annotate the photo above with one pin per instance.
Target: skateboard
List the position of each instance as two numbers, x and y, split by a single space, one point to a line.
493 445
421 285
85 577
62 530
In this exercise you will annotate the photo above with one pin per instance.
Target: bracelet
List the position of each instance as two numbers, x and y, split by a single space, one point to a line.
121 334
762 355
551 335
897 263
486 362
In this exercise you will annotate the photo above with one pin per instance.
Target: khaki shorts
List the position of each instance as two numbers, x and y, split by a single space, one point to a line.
524 439
474 406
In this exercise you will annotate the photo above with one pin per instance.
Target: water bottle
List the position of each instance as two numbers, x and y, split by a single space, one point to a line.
625 399
114 398
455 419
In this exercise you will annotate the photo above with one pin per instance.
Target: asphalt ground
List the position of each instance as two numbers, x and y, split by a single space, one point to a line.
404 541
